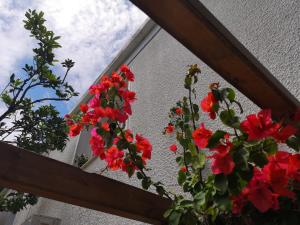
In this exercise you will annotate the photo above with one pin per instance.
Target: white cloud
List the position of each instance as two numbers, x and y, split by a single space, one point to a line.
92 33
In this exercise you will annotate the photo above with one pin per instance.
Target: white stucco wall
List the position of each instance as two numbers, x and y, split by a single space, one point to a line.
270 29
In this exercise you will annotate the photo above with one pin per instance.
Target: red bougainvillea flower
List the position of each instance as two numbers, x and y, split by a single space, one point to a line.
114 158
127 72
201 136
222 161
238 203
259 126
128 166
284 133
144 146
173 148
129 96
75 130
294 167
207 105
105 126
97 144
183 169
69 122
296 116
276 174
86 118
129 136
259 193
169 129
84 108
178 111
94 102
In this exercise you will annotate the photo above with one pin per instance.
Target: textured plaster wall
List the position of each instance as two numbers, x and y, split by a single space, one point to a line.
268 28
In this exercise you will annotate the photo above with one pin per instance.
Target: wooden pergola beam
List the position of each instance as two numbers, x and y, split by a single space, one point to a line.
25 171
198 30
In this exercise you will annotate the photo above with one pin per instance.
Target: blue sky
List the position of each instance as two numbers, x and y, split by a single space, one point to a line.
93 31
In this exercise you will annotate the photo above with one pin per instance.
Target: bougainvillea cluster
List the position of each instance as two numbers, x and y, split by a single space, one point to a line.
247 174
240 175
105 116
106 113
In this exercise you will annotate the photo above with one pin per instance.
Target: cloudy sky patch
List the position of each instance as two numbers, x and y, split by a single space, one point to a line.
92 31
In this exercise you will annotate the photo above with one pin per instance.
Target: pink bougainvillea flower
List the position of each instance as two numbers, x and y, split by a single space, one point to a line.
207 105
69 122
259 126
173 148
94 102
97 144
144 146
127 72
75 130
201 136
169 129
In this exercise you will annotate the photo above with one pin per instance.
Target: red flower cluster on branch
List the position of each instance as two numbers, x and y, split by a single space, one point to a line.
107 111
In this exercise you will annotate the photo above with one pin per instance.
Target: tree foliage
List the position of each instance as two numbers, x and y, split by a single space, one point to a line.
29 121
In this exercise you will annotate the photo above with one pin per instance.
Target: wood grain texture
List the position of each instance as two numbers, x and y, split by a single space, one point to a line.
199 31
28 172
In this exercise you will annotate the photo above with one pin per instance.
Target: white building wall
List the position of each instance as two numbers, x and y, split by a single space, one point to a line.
270 29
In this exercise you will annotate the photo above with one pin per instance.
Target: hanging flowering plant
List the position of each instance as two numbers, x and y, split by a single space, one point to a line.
240 175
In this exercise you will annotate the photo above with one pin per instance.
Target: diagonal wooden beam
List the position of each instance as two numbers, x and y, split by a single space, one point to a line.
198 30
28 172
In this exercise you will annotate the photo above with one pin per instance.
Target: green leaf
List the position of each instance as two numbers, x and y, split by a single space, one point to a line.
160 190
195 108
179 160
230 94
146 182
224 203
198 161
259 158
122 144
130 171
215 138
294 143
270 146
228 118
188 82
221 183
240 157
168 212
6 98
139 175
174 218
181 177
